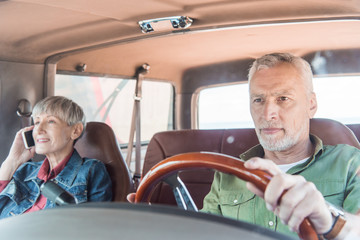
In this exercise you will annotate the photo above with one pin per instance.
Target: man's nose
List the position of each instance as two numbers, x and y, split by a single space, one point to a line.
271 110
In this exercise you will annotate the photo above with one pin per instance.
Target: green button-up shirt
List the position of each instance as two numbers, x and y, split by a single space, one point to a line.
334 170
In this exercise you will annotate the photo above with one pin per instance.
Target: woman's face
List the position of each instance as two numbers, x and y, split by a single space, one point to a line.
53 137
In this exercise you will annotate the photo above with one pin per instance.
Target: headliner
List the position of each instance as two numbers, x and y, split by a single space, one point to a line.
105 34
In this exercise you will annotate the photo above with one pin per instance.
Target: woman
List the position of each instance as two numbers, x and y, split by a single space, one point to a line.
58 122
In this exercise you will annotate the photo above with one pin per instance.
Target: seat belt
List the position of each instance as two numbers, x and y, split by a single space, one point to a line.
135 125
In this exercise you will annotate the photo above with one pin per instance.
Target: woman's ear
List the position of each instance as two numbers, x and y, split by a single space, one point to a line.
77 130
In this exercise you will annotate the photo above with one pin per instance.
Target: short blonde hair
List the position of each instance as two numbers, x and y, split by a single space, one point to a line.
61 107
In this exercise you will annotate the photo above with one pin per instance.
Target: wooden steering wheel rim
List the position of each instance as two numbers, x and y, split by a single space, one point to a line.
221 162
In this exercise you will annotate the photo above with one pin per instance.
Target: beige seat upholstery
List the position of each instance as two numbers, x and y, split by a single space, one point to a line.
228 141
99 142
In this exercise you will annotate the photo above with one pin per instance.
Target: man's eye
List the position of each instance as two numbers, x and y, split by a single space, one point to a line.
282 99
257 100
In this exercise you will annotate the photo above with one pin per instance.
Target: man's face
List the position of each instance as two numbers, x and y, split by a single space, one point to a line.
281 107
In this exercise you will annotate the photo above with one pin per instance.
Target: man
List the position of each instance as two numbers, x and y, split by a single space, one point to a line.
282 101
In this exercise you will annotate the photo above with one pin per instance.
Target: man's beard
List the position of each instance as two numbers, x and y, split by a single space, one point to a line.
275 143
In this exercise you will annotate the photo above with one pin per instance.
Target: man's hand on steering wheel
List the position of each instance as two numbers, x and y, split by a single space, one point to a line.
291 197
235 166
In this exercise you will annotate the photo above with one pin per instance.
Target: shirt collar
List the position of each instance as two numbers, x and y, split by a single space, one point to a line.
258 151
45 174
66 176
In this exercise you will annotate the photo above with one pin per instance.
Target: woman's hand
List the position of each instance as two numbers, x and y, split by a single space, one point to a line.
18 155
291 197
131 197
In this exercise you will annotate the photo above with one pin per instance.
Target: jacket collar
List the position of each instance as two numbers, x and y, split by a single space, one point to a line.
70 171
67 175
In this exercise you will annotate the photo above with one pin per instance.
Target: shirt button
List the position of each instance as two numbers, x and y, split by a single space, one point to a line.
235 201
271 223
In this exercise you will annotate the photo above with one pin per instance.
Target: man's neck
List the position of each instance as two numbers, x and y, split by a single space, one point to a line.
294 154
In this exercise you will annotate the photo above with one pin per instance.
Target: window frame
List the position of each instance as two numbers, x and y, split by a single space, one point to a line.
101 75
196 96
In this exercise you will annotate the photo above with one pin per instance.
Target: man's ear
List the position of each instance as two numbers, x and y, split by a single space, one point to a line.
313 105
77 130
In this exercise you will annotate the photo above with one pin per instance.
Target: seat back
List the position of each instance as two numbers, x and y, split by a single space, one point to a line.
99 142
228 141
356 129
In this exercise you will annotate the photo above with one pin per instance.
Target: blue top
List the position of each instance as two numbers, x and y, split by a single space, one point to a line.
86 179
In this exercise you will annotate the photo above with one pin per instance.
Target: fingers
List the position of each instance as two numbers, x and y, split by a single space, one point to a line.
262 164
18 141
24 130
291 197
254 189
312 205
291 209
278 184
18 153
131 197
283 196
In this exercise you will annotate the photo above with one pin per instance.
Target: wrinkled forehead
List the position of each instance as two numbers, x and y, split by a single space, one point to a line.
282 74
278 76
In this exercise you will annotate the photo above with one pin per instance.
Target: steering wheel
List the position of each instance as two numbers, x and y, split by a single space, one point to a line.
167 168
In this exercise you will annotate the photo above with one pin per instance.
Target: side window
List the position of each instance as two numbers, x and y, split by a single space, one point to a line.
111 100
224 107
338 97
228 106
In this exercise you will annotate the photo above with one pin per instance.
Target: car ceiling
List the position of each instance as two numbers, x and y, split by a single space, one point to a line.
105 34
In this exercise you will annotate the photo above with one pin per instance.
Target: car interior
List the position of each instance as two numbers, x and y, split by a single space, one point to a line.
231 142
99 142
76 47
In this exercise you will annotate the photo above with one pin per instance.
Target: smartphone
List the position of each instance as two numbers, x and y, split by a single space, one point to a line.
28 139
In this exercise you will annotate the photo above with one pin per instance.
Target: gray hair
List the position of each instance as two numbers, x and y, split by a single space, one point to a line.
273 59
61 107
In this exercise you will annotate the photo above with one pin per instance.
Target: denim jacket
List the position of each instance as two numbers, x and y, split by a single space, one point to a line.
86 179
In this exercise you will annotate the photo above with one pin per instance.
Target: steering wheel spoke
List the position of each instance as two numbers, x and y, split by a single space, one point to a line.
181 193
